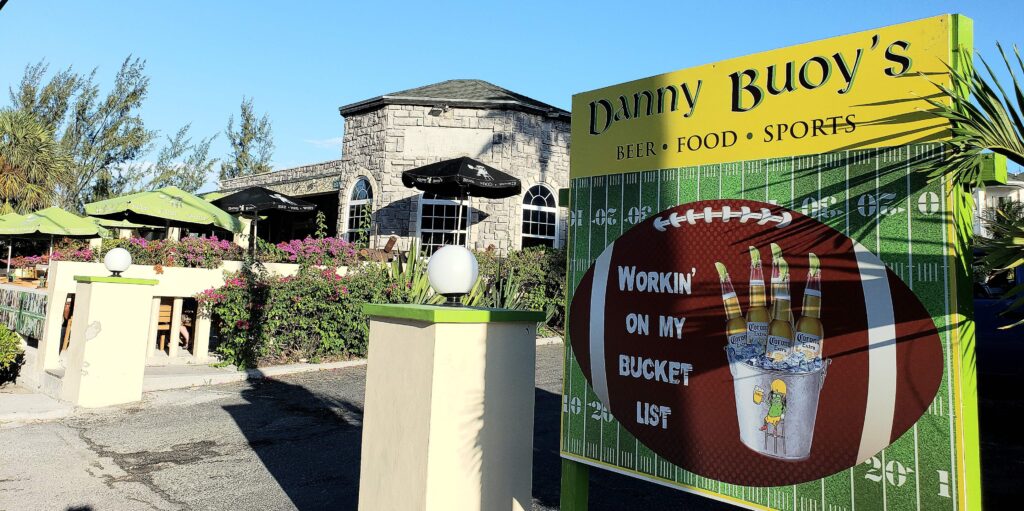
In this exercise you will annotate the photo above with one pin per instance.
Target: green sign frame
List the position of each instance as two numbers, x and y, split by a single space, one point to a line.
921 228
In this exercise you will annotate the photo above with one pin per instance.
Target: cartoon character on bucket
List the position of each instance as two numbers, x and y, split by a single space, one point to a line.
776 405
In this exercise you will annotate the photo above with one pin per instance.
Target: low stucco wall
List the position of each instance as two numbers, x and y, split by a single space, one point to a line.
173 282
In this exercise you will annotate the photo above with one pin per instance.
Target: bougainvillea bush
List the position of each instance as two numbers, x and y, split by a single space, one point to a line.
317 315
190 252
314 315
328 252
74 250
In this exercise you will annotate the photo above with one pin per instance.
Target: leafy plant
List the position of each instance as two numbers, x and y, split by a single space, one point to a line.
321 225
408 280
11 354
984 120
32 163
537 275
1005 252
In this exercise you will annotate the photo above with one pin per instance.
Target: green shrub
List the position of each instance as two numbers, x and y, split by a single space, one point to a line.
318 315
315 314
11 355
539 274
189 252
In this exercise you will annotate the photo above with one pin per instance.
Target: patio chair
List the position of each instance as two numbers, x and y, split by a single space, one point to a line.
383 255
163 326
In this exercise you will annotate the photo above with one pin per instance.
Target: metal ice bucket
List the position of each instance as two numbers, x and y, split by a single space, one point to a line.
788 436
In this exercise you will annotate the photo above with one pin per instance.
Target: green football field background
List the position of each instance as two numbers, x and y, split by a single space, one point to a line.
874 196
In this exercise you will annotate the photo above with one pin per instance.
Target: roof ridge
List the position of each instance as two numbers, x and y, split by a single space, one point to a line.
464 92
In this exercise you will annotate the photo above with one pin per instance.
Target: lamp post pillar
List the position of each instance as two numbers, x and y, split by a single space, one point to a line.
448 415
108 346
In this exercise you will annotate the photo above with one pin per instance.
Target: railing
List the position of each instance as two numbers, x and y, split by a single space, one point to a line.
23 310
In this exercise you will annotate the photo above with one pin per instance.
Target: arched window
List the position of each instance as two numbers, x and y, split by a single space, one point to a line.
540 217
443 221
360 209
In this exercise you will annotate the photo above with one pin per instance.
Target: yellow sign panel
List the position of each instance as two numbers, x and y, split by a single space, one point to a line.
855 91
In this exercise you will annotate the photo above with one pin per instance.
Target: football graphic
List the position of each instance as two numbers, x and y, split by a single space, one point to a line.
652 319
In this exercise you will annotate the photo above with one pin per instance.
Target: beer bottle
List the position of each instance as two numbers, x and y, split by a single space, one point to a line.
780 330
809 332
735 325
757 314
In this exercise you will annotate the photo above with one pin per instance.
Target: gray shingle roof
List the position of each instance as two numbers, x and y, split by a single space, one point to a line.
458 93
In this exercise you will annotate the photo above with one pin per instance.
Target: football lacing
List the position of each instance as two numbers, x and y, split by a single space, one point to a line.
745 214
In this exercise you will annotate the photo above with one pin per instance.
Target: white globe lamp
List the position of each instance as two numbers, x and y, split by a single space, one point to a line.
117 261
452 271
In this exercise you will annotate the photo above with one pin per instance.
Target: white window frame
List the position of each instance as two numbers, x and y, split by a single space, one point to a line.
434 201
556 239
358 202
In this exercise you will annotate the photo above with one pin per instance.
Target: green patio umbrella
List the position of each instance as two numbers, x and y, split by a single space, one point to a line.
51 221
10 243
47 223
123 224
169 206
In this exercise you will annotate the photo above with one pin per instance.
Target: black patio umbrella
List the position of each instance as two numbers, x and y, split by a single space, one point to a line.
462 178
255 200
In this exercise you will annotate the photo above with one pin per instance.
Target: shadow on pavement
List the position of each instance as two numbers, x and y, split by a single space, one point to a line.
308 442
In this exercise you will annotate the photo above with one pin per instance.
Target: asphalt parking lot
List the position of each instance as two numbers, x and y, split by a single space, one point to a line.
293 443
287 443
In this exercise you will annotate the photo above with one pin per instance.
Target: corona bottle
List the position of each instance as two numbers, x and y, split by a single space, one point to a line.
809 332
735 325
757 315
780 331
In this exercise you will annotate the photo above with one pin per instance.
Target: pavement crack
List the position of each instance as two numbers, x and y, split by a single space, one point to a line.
141 466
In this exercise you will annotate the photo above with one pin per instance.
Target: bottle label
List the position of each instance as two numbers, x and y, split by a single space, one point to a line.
757 332
738 340
808 345
777 347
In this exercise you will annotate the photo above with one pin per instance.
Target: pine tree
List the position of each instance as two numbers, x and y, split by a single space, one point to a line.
251 145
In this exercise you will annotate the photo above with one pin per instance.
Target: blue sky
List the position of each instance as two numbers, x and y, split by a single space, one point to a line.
300 61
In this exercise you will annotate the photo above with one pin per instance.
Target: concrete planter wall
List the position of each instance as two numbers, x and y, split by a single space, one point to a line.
173 282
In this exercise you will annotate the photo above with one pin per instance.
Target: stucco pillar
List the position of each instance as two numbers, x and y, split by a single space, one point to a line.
108 351
154 321
448 414
175 333
201 339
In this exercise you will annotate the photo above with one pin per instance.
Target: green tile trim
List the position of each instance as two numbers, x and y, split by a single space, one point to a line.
116 280
441 314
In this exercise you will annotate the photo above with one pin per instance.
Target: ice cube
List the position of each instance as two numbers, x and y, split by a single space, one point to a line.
794 359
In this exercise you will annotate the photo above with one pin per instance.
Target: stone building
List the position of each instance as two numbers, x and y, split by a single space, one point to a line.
362 193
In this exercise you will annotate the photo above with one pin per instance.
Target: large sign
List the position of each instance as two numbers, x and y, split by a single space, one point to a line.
858 90
774 321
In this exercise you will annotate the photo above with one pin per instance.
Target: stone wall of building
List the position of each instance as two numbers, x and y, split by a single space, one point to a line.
531 147
381 144
311 179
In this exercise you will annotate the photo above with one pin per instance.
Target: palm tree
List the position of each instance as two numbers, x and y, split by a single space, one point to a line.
984 120
31 162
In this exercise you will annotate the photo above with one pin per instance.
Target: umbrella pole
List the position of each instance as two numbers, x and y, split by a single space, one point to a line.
465 215
10 244
252 237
